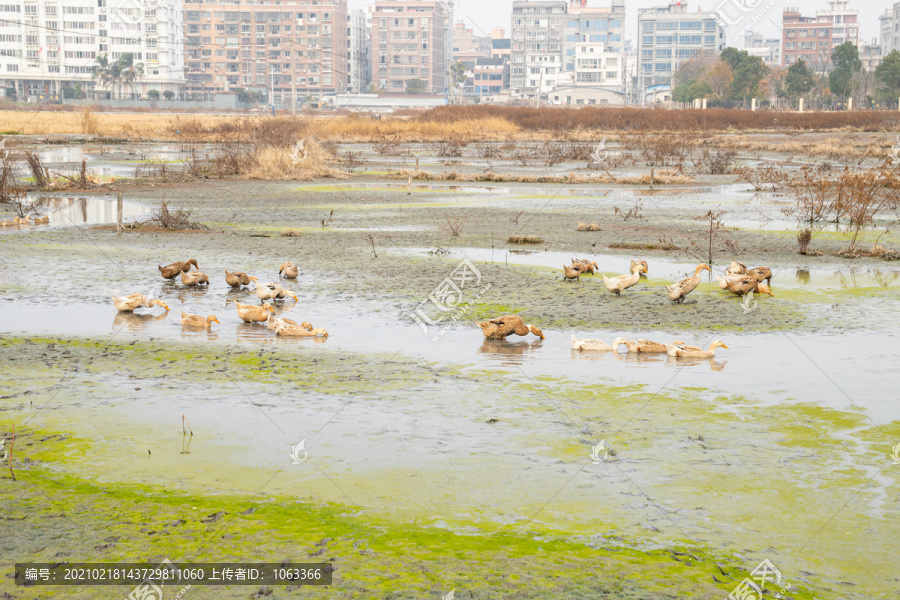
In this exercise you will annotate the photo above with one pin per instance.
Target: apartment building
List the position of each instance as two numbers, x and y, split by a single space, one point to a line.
813 38
282 53
536 57
49 48
768 49
500 44
411 40
889 28
359 48
594 44
668 37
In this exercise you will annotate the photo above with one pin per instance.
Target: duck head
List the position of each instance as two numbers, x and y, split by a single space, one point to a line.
536 331
764 289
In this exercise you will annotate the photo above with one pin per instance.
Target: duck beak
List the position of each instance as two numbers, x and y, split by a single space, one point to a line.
216 320
164 305
271 310
726 347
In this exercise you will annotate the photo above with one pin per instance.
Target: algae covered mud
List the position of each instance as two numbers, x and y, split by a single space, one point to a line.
415 456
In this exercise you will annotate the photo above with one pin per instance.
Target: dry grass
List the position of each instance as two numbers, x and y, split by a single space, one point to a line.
290 233
282 163
587 227
524 239
642 246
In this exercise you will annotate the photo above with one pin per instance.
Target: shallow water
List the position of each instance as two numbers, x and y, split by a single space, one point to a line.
85 210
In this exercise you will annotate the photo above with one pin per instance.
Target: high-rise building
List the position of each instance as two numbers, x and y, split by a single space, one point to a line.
889 38
768 49
284 52
411 40
49 49
536 58
813 38
595 44
670 36
359 48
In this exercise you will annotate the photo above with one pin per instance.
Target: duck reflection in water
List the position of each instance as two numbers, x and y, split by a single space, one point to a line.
135 322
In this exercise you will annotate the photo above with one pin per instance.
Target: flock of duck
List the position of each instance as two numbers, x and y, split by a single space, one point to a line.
738 279
249 313
26 220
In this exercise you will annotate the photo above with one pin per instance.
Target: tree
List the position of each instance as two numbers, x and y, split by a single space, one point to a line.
887 74
415 86
104 73
845 59
688 92
153 94
748 71
800 80
458 73
718 77
129 71
168 94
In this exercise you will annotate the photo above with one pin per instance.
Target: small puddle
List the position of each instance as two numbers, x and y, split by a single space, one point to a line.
88 210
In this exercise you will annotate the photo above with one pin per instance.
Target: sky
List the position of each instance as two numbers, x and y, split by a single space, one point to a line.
483 15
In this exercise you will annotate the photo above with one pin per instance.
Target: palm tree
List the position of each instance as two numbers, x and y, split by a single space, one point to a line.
128 70
104 72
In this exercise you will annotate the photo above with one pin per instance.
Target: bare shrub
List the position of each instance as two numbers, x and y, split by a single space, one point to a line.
455 225
715 161
39 172
9 164
632 213
17 199
767 178
662 150
168 219
450 147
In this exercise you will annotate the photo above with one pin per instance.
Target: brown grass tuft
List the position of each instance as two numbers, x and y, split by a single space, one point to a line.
586 227
524 239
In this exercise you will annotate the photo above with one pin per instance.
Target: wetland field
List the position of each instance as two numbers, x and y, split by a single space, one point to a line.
405 451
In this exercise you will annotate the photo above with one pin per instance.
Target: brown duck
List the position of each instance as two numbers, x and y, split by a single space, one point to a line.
238 278
172 271
499 328
194 278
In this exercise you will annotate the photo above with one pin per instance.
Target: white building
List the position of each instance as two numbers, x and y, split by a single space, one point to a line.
47 46
668 37
889 38
536 57
595 44
359 48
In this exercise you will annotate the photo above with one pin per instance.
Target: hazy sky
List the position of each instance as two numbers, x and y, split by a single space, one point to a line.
486 14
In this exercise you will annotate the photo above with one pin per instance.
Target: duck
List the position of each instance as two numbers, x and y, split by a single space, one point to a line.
194 278
760 274
288 270
743 285
238 278
645 346
588 345
6 223
189 320
42 220
617 285
685 353
251 313
672 348
587 266
678 291
276 322
272 291
298 331
132 301
171 271
21 221
636 263
501 327
736 268
573 272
